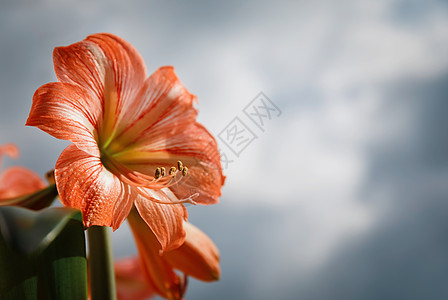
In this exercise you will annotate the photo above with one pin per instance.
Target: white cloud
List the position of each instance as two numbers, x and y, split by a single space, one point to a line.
314 158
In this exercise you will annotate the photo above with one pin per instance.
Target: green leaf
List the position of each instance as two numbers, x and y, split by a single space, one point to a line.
29 232
42 254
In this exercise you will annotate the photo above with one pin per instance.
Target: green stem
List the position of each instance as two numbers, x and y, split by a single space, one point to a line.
101 264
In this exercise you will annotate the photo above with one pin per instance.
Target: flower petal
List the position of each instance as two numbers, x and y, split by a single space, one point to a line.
19 181
85 184
165 220
124 205
131 280
157 271
197 149
68 112
162 108
198 256
109 67
204 173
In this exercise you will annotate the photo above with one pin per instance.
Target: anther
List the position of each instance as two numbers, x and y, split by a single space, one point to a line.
172 170
162 171
184 171
157 173
179 165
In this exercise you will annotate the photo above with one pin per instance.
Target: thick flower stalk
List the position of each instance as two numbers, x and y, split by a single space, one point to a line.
135 139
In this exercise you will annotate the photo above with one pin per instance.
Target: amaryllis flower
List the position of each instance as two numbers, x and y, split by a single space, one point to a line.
20 186
152 273
134 137
130 280
16 181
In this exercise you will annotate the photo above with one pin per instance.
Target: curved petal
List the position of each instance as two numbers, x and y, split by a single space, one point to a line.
205 173
109 67
162 107
131 281
197 149
68 112
124 205
19 181
165 220
157 271
84 183
198 256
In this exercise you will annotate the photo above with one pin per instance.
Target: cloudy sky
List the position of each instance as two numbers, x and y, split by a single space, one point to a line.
342 192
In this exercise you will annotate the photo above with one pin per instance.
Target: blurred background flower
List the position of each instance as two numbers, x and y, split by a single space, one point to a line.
342 193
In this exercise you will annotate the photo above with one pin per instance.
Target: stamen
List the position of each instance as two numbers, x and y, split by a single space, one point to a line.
189 199
141 180
172 170
172 181
180 166
184 171
156 182
157 173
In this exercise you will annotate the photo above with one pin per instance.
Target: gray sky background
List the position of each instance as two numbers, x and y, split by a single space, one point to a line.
344 195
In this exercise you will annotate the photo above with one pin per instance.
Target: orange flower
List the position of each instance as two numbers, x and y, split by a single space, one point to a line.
16 183
130 280
154 273
132 136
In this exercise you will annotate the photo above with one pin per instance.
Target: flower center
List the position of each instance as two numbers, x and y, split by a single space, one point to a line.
105 158
134 171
